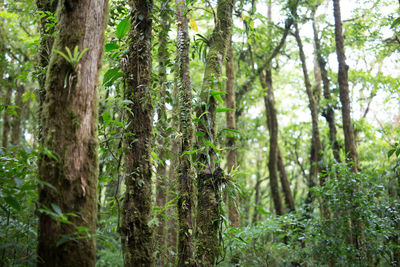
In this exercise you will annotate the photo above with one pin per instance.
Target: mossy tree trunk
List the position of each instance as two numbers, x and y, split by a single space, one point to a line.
136 235
6 117
231 158
287 192
45 48
210 175
16 130
70 136
162 141
184 168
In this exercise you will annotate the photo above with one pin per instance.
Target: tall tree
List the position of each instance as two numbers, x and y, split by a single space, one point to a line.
6 117
231 158
70 137
184 169
329 112
16 130
161 173
313 99
210 175
136 235
343 80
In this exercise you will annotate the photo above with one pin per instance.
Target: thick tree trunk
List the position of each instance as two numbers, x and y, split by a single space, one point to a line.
16 122
231 158
6 118
210 175
316 145
329 112
136 235
272 123
162 142
184 170
70 136
45 48
349 140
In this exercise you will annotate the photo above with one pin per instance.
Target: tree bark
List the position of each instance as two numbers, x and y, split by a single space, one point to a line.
162 142
328 112
272 123
6 118
349 140
210 175
316 145
231 158
45 48
136 235
70 137
184 170
16 122
287 192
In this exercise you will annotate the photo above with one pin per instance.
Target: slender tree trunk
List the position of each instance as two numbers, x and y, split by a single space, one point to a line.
16 122
349 140
257 189
210 175
45 48
231 124
287 192
136 235
184 170
70 136
272 123
316 145
6 118
161 184
329 112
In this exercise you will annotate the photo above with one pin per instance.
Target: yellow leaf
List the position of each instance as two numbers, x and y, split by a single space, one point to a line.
193 25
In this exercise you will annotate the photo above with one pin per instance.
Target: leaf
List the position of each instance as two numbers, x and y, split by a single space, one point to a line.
111 46
396 22
231 130
122 28
224 109
12 202
390 153
199 134
118 123
56 208
111 76
157 158
194 25
62 54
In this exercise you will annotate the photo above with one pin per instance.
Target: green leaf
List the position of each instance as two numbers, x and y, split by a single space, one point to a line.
122 28
231 130
199 134
224 109
390 153
118 123
111 46
111 76
12 202
56 208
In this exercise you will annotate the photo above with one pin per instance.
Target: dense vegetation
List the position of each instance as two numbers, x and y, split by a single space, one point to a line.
199 133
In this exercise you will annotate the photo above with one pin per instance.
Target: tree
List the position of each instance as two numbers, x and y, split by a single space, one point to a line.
136 235
69 163
210 175
184 168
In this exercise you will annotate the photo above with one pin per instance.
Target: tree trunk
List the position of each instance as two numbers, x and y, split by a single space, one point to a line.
161 175
184 169
287 192
231 158
210 175
45 48
16 122
272 123
136 235
70 137
349 140
316 145
6 118
329 112
257 189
